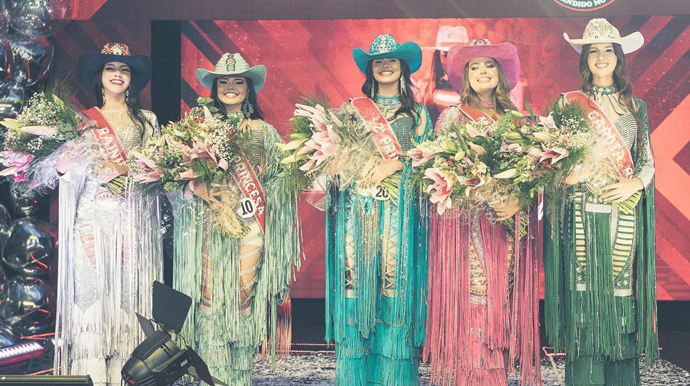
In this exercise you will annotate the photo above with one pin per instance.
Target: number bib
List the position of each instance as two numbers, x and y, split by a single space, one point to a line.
247 208
377 192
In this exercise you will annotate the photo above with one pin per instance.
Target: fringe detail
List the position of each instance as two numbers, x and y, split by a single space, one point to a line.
96 324
594 323
465 340
225 338
376 329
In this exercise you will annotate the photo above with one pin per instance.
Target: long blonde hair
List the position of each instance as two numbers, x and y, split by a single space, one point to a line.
501 95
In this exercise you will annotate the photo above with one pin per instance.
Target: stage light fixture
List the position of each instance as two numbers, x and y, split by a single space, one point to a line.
158 361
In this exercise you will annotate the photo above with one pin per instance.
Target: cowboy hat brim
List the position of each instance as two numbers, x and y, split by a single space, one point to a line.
91 63
629 43
505 54
409 52
257 74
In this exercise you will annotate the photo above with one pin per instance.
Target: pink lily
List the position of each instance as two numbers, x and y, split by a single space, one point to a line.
555 155
148 176
440 190
420 156
548 121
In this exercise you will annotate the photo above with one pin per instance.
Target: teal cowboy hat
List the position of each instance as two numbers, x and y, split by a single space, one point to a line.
385 46
232 65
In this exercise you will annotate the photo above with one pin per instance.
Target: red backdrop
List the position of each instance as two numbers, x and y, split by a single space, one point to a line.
313 57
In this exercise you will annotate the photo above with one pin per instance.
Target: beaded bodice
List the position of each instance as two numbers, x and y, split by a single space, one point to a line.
402 125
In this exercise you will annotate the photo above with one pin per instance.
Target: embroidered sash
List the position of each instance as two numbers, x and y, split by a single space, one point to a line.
384 136
605 131
243 174
107 139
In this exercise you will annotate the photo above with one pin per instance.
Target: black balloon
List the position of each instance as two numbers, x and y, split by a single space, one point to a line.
32 57
31 247
6 59
3 283
39 17
8 336
28 204
11 99
28 305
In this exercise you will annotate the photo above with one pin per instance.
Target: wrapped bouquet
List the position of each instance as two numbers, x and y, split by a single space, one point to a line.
30 142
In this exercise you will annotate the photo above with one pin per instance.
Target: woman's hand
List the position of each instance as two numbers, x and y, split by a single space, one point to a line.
622 190
111 170
506 208
384 169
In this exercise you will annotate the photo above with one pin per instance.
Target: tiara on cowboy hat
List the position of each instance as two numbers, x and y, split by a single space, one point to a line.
504 53
232 65
448 36
91 63
385 46
601 31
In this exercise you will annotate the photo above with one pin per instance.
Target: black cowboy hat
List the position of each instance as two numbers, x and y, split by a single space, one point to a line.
91 63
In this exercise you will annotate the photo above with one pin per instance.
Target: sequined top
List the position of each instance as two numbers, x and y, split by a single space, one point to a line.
135 137
644 164
404 126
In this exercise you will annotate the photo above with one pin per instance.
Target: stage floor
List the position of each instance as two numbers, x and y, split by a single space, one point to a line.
318 369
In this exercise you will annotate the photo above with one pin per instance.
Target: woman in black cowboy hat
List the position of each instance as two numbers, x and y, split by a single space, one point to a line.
110 248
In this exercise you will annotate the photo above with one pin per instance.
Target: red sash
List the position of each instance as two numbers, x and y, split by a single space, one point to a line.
605 131
106 137
474 114
242 173
384 136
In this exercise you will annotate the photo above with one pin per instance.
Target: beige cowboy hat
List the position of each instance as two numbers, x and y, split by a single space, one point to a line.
232 65
448 36
601 31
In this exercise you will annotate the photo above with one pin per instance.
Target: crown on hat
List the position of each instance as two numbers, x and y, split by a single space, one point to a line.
480 42
600 29
115 49
231 63
383 44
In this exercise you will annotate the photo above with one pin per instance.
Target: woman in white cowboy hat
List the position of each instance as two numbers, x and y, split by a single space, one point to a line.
599 263
237 283
472 256
375 253
110 246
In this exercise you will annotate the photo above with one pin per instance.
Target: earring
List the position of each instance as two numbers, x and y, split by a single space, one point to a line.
103 94
373 92
247 108
403 88
127 98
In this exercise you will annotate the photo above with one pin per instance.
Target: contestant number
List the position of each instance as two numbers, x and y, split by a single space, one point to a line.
381 194
247 208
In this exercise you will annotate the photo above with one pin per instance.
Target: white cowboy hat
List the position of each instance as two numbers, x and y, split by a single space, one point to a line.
232 65
601 31
448 36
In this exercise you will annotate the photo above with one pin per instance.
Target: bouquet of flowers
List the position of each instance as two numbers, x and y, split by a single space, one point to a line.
193 155
46 122
332 145
484 161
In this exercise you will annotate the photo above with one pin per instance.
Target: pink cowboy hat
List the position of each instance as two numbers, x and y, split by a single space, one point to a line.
504 53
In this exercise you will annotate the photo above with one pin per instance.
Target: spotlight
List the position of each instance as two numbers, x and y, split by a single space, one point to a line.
157 361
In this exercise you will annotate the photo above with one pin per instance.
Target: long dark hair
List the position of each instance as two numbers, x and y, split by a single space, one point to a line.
407 104
134 107
251 96
501 95
620 79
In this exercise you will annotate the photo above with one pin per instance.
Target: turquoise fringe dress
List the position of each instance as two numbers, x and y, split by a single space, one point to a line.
224 333
376 274
599 274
